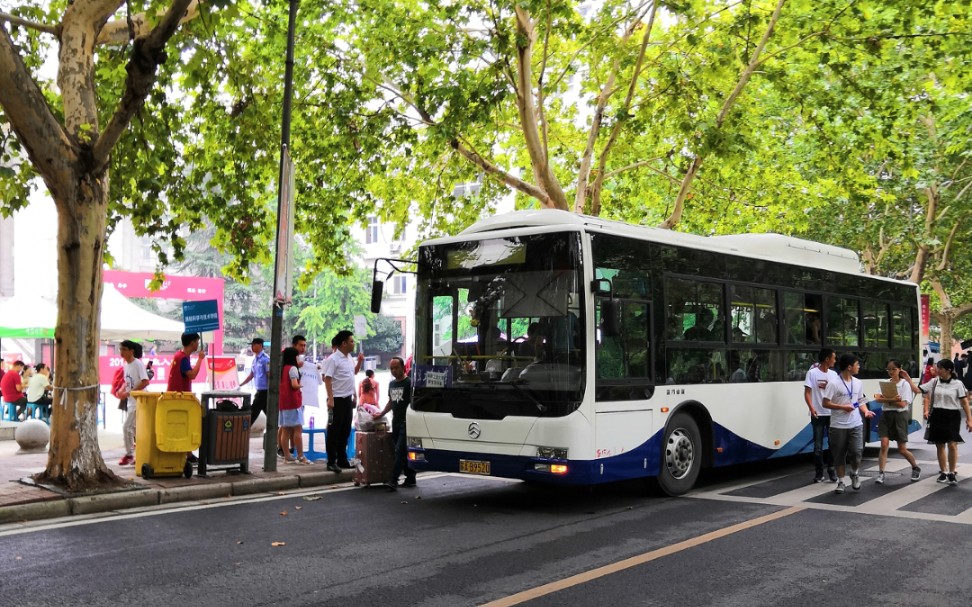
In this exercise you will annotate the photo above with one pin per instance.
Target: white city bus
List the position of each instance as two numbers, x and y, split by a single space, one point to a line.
560 348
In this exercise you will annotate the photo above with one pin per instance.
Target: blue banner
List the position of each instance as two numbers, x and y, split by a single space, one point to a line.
200 316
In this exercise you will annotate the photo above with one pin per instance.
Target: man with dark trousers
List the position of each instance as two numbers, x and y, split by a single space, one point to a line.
399 397
339 371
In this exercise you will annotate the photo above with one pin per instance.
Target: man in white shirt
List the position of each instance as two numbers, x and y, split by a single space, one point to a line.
339 372
818 378
136 378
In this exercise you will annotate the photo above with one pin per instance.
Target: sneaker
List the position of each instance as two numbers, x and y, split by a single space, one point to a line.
409 482
818 479
832 474
280 452
840 487
880 478
915 474
390 486
942 478
855 482
128 460
951 479
334 468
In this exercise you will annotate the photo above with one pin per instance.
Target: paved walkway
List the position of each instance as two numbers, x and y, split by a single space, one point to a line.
23 502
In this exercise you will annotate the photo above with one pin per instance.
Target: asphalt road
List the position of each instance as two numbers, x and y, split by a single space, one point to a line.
759 535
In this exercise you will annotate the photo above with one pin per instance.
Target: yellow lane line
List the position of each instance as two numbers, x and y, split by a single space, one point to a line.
634 561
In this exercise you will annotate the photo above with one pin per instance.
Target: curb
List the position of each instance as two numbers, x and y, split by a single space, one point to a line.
33 511
106 502
264 485
194 493
111 502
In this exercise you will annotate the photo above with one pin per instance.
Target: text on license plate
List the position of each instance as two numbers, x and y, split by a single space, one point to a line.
471 466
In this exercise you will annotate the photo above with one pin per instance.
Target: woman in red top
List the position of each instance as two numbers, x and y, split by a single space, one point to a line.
291 414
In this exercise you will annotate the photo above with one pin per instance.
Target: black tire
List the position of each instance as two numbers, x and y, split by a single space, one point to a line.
681 455
187 470
147 471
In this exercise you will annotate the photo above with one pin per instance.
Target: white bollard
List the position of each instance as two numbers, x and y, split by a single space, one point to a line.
32 435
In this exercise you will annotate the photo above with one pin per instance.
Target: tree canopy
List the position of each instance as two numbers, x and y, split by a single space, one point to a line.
845 122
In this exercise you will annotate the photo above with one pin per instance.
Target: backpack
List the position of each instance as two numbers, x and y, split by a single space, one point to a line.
118 382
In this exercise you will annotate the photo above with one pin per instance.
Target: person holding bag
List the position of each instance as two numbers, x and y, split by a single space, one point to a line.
945 399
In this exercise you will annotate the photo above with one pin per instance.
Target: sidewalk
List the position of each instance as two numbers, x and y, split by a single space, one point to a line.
23 502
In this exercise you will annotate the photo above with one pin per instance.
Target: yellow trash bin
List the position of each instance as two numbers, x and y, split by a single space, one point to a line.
167 427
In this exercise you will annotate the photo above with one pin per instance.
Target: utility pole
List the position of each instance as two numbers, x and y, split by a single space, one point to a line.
281 276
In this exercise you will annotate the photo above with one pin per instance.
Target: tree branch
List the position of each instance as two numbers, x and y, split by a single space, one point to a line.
148 53
616 128
730 101
921 257
121 31
54 30
48 146
526 36
540 96
607 91
511 180
943 262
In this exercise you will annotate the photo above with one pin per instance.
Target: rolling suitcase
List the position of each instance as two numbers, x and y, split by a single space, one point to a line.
376 457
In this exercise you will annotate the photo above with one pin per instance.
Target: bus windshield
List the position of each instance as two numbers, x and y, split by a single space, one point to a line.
499 327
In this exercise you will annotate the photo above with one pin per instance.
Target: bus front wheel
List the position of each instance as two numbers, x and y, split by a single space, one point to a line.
681 455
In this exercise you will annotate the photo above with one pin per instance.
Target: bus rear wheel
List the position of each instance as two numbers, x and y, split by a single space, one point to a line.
681 455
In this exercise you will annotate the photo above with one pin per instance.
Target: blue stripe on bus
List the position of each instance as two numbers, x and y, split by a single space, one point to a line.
631 464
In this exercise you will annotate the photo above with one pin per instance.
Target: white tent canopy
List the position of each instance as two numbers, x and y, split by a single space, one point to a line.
121 319
26 316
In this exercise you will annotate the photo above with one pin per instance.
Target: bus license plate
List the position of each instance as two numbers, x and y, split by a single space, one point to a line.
471 466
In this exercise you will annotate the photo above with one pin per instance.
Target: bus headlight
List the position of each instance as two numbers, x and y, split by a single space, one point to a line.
552 452
414 442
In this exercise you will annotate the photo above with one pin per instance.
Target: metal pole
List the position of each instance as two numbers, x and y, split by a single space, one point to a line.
276 320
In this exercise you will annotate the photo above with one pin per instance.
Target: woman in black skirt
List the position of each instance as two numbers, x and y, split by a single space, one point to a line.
945 399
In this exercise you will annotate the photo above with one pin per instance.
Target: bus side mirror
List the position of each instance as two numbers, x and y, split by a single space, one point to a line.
376 288
610 317
602 287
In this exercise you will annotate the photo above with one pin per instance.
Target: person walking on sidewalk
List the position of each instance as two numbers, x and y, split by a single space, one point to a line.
894 420
848 405
945 399
399 398
259 373
818 378
136 378
339 372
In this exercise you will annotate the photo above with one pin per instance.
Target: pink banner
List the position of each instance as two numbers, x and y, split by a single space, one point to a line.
183 288
107 365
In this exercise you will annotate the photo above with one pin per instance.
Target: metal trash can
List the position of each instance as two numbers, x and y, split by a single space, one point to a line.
168 427
225 434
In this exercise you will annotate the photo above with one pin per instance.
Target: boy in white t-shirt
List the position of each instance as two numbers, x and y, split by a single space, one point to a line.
135 379
818 378
848 406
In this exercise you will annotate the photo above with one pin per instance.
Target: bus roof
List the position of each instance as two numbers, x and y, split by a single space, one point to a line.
775 247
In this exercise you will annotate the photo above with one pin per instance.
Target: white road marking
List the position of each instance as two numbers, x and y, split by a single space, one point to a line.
889 504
